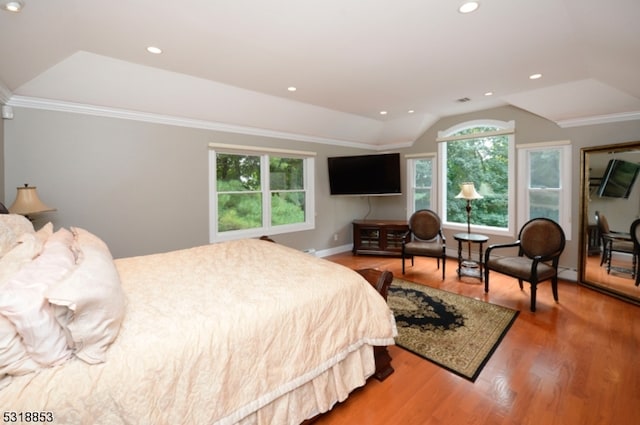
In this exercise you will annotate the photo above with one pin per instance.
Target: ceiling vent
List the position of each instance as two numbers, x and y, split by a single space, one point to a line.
463 100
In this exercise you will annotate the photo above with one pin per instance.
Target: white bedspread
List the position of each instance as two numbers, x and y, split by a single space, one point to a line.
214 333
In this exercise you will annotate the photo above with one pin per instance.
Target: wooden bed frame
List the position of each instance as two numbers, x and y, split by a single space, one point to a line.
381 280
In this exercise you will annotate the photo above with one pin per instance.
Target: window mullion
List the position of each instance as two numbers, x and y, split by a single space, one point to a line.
266 191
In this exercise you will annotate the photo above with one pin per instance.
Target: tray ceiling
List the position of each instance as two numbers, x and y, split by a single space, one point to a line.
228 64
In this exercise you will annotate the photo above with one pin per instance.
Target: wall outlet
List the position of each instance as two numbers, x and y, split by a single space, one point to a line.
335 237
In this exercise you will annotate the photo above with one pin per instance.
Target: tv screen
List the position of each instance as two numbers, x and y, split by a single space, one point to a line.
618 179
372 175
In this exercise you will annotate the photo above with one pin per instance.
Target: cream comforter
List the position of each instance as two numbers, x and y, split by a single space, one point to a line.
221 334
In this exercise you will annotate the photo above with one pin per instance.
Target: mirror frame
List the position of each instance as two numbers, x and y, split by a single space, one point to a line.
584 219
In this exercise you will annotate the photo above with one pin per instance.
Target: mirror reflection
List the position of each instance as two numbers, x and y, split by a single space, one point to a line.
610 203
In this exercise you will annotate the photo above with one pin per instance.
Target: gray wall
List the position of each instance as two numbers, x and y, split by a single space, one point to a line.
531 128
2 161
144 187
620 212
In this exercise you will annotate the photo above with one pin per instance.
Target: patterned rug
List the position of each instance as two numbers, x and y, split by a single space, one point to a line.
456 332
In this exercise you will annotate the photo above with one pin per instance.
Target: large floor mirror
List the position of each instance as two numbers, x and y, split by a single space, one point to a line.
610 188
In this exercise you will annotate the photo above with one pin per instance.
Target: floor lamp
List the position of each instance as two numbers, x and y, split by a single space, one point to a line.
468 192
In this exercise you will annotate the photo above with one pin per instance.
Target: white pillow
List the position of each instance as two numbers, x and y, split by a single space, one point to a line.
93 294
22 300
14 359
27 248
45 232
12 226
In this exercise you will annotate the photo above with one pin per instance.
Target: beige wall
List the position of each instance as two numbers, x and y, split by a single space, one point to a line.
144 187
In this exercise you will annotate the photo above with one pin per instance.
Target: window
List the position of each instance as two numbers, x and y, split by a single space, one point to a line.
545 173
421 173
481 152
257 192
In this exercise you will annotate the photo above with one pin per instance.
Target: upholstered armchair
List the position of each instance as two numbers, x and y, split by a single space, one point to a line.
424 238
539 245
613 241
634 232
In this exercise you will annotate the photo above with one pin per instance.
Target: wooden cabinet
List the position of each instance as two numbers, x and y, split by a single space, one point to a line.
379 237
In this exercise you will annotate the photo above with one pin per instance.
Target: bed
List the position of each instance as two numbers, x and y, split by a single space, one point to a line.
246 331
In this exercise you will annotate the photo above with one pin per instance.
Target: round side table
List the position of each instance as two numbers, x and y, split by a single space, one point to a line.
468 266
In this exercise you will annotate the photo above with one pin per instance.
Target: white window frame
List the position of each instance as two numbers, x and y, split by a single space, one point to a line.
505 128
411 180
565 182
267 228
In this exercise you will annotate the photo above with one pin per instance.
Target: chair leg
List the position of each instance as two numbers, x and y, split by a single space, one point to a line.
486 280
533 296
520 283
608 260
444 265
554 288
403 258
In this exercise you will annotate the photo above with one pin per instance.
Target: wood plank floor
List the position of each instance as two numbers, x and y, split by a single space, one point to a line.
575 362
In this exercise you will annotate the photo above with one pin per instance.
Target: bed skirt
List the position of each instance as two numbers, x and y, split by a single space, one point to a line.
316 396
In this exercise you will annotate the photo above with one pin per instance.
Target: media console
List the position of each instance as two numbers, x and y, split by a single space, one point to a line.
379 237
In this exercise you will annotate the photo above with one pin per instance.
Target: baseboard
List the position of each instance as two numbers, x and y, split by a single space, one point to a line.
568 274
335 250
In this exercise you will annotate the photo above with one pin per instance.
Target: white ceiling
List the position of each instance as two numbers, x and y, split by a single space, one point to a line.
227 63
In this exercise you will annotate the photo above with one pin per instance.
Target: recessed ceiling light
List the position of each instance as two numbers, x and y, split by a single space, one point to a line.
410 111
292 88
154 50
489 93
13 6
469 7
383 112
535 76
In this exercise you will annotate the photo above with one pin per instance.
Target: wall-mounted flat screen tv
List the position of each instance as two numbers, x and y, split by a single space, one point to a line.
618 179
365 175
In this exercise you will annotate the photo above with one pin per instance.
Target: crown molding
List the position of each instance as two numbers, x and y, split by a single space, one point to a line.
5 94
599 119
77 108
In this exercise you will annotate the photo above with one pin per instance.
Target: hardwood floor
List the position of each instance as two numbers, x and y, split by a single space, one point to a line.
575 362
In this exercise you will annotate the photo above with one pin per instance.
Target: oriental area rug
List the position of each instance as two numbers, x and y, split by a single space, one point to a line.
455 332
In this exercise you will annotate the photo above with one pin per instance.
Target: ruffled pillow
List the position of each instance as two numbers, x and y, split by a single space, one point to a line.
90 301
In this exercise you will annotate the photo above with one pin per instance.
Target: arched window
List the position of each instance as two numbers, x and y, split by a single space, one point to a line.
481 152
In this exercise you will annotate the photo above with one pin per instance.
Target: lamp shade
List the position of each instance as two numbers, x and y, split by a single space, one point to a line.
468 191
28 202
